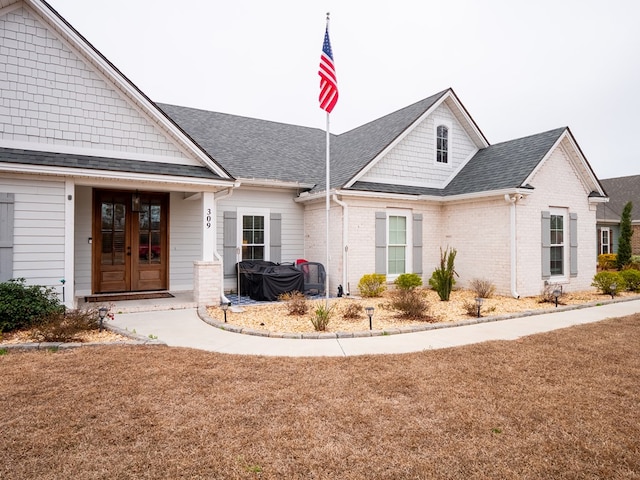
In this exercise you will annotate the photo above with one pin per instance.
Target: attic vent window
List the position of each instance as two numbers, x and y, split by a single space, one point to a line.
442 144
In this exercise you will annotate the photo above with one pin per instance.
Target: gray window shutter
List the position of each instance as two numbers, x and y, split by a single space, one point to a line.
573 244
229 243
417 244
6 236
275 240
546 244
381 242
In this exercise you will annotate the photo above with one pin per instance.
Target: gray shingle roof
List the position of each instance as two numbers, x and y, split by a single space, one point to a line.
503 165
30 157
621 190
252 148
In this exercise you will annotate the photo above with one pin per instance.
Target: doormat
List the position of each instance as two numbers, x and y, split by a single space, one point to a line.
119 297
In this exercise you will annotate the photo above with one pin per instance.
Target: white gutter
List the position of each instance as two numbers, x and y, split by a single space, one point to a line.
514 252
225 194
345 246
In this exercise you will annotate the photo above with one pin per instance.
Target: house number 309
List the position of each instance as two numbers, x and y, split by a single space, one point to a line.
208 218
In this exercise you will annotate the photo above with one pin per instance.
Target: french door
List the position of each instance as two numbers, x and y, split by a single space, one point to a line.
130 251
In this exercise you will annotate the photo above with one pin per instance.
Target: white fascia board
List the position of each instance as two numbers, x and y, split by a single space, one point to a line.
114 76
421 198
397 140
487 194
107 175
259 182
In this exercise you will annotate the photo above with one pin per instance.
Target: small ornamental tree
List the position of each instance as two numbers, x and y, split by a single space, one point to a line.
624 242
442 280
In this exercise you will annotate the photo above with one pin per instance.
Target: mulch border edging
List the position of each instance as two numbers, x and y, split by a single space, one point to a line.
205 317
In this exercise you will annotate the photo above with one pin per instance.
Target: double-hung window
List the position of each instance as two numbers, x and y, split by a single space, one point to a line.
557 244
254 237
397 245
605 240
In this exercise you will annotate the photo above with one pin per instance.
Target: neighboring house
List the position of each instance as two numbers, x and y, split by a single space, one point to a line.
111 192
620 190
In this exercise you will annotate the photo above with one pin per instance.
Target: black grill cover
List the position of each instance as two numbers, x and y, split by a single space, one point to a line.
267 281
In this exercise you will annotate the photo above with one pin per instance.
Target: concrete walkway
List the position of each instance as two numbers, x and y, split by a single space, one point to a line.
186 328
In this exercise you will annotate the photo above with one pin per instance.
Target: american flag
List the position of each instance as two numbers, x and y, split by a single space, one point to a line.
328 81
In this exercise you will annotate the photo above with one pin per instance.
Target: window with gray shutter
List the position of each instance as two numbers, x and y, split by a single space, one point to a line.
573 244
275 237
417 244
381 242
6 236
546 244
229 243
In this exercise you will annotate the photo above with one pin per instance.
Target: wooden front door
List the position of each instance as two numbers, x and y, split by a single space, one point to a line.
130 247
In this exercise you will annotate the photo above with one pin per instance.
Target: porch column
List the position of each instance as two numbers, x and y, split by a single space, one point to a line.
69 285
207 271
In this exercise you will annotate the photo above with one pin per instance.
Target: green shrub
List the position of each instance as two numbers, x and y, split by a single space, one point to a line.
635 262
411 303
321 316
607 261
442 280
482 288
408 281
65 326
22 305
296 303
604 281
372 285
631 279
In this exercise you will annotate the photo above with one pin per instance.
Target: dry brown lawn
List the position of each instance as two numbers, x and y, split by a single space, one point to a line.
562 405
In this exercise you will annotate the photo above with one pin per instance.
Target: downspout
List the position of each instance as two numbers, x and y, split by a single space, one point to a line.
225 194
345 247
514 252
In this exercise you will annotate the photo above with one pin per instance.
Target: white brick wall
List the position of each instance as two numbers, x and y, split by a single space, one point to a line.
479 230
556 186
412 161
51 96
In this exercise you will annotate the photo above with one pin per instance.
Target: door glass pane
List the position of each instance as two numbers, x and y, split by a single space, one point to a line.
113 233
155 247
149 245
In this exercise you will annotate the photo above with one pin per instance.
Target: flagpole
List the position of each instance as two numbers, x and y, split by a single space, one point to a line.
326 287
328 98
327 202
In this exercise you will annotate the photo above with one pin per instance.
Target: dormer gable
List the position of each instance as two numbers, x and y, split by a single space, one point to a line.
429 148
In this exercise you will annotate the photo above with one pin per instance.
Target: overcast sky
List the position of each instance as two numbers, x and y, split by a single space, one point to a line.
519 67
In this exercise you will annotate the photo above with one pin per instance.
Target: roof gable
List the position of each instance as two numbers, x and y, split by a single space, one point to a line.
360 149
77 101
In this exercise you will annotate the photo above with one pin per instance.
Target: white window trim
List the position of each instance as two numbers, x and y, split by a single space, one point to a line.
257 212
408 214
449 126
609 245
566 244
